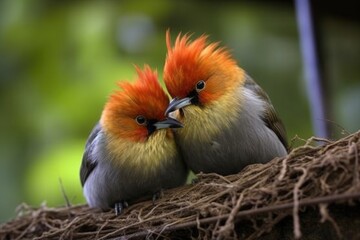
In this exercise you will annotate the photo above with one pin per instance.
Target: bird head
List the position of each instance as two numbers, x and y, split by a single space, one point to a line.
137 111
197 73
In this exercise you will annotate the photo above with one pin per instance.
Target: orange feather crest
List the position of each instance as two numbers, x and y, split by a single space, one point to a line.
144 97
190 61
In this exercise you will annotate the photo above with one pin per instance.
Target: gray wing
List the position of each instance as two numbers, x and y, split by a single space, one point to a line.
270 117
88 164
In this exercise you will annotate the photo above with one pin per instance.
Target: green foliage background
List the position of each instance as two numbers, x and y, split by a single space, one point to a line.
59 60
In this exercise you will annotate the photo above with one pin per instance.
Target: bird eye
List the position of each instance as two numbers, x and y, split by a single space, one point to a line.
200 85
141 120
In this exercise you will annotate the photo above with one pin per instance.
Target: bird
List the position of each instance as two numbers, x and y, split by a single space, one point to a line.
229 120
131 152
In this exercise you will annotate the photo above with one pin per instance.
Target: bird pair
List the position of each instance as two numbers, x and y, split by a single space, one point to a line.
219 120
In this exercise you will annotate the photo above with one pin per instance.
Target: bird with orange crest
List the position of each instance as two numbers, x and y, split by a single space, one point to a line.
229 121
131 153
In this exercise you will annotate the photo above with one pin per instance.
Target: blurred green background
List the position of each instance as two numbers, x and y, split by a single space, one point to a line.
59 60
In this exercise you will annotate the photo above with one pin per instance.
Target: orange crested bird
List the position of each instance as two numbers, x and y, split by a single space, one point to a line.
131 153
229 121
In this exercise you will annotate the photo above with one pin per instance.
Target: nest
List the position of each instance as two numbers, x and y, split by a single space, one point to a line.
313 192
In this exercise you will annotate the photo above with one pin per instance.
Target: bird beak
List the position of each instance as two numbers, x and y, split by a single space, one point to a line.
177 103
168 123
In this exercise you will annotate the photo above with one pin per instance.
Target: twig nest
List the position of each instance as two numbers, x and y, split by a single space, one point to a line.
256 202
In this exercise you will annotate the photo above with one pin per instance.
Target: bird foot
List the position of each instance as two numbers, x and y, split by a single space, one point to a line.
195 180
157 195
120 206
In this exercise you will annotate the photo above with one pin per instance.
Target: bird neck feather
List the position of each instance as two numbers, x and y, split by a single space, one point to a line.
148 155
214 117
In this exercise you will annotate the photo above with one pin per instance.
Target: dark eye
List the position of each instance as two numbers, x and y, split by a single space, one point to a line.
200 85
141 120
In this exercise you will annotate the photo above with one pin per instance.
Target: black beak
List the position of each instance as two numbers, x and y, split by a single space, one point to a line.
177 104
168 123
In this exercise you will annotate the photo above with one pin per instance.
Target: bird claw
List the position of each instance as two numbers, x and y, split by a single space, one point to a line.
120 206
195 180
157 195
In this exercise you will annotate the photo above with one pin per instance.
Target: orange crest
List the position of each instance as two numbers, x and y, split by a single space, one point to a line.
144 97
191 61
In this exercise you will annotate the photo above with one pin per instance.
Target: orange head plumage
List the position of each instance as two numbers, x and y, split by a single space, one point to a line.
198 68
131 113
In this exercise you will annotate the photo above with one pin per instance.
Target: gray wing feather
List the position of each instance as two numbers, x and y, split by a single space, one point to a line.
88 164
270 117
